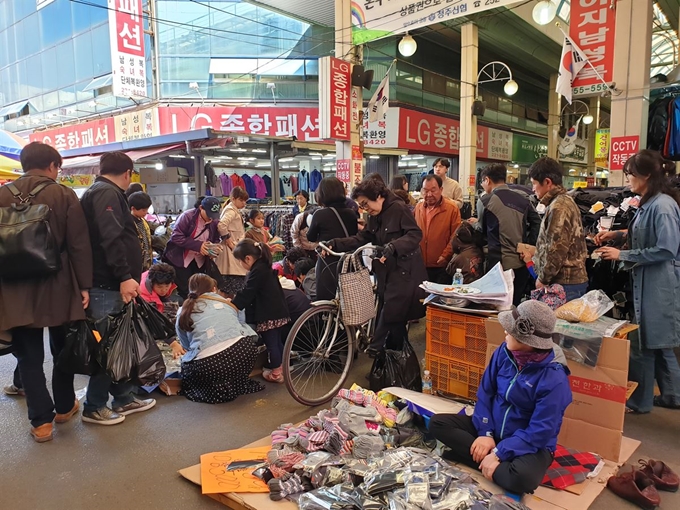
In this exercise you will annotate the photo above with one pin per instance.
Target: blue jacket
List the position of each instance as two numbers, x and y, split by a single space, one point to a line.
522 409
654 260
214 322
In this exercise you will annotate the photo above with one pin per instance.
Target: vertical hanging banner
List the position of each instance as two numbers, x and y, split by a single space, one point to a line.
126 31
375 19
335 98
592 28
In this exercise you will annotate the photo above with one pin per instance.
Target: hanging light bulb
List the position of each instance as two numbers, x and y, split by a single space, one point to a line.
407 46
544 12
588 119
511 87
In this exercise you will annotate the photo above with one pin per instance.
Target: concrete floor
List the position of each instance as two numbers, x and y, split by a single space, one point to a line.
134 465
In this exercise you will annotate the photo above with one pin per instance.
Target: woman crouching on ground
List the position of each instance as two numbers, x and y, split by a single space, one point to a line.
221 351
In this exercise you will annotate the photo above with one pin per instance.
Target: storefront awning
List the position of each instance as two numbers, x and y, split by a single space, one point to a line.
13 108
90 164
98 83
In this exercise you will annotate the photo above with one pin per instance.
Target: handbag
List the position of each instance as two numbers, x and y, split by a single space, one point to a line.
28 248
357 301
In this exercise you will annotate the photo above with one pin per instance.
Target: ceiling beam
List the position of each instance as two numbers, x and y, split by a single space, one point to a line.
671 9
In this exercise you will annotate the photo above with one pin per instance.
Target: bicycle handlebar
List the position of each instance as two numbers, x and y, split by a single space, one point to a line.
369 246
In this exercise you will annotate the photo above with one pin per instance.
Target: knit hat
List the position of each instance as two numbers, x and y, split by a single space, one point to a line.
531 323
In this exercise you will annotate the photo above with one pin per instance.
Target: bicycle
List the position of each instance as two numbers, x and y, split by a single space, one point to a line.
320 347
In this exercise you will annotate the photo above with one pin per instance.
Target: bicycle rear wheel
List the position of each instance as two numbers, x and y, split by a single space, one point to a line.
318 355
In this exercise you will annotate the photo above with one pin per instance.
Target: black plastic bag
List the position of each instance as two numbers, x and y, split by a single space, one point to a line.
119 348
80 349
396 368
159 325
149 367
129 351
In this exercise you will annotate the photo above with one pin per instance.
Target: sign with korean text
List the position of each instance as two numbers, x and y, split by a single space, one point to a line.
527 149
602 146
302 123
500 145
578 152
374 19
87 134
622 149
335 98
592 26
137 125
343 170
434 134
384 132
126 31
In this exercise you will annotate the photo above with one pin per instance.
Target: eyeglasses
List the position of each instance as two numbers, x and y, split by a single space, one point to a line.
363 205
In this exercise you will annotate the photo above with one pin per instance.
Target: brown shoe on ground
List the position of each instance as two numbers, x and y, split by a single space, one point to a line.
663 477
635 487
63 418
43 433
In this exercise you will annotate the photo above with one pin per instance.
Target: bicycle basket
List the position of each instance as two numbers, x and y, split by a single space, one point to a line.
356 292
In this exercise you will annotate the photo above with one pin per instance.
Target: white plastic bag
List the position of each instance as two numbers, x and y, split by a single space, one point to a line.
588 308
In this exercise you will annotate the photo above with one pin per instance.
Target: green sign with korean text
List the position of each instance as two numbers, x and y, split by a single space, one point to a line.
527 149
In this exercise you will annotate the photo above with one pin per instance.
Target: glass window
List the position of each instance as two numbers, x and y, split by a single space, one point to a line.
50 101
67 66
101 59
4 57
49 68
55 22
82 46
30 29
67 96
178 68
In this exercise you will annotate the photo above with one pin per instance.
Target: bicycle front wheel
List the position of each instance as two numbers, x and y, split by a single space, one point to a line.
318 355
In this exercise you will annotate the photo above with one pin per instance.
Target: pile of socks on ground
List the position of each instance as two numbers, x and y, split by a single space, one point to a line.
365 453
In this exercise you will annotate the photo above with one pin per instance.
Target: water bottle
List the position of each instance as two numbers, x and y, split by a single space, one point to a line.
427 383
458 278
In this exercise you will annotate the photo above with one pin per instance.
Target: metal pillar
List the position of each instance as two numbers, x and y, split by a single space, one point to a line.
276 187
468 122
632 57
554 120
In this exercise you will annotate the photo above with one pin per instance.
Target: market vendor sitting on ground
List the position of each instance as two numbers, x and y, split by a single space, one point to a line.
512 435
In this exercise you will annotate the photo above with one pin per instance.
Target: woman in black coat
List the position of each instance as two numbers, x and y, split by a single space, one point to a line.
400 270
334 220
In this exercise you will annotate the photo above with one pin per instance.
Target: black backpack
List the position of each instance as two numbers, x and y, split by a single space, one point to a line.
27 245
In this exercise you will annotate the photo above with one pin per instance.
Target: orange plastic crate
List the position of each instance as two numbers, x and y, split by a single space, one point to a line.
456 336
454 377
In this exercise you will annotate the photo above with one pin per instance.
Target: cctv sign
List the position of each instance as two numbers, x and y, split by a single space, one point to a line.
622 149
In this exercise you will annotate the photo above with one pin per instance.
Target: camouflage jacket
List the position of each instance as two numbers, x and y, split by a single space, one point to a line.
561 247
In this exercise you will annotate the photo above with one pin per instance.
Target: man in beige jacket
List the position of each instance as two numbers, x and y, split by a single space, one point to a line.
452 189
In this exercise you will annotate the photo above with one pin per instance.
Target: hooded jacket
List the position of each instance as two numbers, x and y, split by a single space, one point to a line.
522 409
150 296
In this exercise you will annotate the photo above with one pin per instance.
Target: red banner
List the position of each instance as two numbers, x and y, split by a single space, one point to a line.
88 134
335 98
622 149
302 123
343 170
592 28
424 132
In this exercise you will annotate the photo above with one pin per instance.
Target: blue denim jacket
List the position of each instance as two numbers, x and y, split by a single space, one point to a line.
214 322
654 260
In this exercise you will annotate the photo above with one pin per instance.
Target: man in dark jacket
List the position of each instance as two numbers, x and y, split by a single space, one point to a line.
28 306
507 219
117 273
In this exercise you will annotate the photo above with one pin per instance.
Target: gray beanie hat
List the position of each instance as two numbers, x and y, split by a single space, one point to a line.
531 323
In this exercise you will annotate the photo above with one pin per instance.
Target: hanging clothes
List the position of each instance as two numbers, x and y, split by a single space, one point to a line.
260 188
236 180
286 186
268 185
227 184
250 187
314 180
294 183
303 180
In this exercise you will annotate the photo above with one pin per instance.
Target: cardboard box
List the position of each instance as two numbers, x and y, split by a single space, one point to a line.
594 420
542 499
170 386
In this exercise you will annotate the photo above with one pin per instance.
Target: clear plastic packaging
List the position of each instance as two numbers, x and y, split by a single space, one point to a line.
417 486
588 308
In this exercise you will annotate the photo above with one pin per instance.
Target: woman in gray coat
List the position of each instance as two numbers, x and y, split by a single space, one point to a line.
653 256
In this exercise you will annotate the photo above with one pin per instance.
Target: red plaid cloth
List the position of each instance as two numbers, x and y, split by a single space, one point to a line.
569 468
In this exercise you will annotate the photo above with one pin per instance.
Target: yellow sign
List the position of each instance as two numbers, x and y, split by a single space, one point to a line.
216 479
602 146
580 184
136 125
76 181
